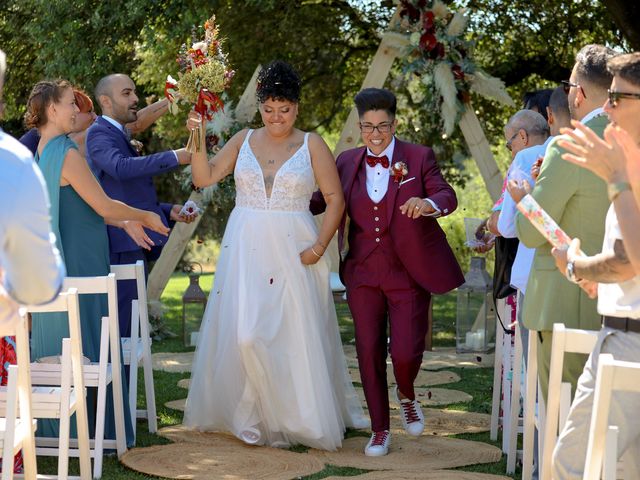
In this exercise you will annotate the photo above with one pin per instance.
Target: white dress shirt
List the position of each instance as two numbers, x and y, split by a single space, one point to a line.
520 169
378 178
33 269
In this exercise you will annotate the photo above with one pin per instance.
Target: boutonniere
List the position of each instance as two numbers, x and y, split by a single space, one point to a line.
398 171
136 145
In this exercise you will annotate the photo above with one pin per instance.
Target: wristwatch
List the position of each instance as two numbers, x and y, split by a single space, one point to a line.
616 188
571 273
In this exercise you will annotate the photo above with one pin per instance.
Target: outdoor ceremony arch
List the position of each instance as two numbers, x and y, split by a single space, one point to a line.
394 44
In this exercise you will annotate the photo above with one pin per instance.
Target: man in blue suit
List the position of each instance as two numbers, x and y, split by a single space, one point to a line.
128 177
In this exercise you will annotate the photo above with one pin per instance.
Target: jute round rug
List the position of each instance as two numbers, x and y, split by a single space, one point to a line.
173 362
227 458
177 404
427 396
441 358
184 383
429 475
182 434
406 453
424 378
446 422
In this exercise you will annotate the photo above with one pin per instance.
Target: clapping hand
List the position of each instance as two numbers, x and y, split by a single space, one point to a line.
535 168
604 157
518 190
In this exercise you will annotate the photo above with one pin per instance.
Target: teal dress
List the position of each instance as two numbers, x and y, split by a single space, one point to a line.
81 237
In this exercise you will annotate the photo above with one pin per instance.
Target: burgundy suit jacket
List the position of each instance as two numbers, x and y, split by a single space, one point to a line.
420 244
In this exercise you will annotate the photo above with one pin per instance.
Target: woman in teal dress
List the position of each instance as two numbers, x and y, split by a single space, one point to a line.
79 208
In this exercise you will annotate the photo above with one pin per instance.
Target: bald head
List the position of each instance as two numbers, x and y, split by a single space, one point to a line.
116 95
531 122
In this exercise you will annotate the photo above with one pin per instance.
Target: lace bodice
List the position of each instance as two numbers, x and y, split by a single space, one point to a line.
293 183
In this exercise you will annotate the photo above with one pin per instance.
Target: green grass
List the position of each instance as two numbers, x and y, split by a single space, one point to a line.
475 381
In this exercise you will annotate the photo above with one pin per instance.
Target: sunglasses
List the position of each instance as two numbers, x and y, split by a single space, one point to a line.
567 84
614 97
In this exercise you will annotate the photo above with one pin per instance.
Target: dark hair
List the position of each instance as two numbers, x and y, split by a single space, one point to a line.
626 66
591 65
375 99
559 103
538 99
42 95
278 81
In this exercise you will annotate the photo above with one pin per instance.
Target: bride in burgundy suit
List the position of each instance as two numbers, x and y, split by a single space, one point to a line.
397 257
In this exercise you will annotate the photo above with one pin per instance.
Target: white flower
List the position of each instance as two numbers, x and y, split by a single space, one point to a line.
427 80
415 38
202 46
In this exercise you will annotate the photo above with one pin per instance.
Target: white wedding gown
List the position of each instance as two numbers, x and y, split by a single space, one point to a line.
269 355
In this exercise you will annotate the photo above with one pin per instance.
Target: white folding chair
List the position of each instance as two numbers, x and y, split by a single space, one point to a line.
68 396
14 431
565 340
611 375
532 420
106 370
19 433
137 348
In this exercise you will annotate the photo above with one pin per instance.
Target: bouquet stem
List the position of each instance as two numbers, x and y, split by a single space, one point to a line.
196 140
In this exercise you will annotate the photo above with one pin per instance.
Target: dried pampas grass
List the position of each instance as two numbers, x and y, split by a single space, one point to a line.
458 23
490 87
445 83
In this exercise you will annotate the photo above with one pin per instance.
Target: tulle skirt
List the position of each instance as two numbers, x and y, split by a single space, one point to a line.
269 356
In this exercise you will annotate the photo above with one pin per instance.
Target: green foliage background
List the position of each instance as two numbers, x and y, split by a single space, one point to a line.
530 44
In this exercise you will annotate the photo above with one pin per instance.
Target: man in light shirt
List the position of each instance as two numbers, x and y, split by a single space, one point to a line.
31 270
618 296
577 200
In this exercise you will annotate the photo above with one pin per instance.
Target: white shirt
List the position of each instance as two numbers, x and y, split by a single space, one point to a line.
617 299
592 114
520 169
33 269
378 178
120 127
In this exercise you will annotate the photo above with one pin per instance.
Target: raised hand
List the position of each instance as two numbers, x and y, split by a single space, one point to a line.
619 137
518 190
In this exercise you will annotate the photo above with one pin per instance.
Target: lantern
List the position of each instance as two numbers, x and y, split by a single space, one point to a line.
194 302
476 313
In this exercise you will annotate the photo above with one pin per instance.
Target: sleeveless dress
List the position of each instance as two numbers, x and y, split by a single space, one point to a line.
269 355
81 237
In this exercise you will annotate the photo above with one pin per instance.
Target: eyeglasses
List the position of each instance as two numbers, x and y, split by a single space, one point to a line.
382 127
614 97
567 84
510 141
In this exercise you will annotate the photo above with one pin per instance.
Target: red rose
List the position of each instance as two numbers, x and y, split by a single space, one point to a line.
427 21
428 42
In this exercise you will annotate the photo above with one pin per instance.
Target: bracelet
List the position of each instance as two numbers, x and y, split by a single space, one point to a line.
315 253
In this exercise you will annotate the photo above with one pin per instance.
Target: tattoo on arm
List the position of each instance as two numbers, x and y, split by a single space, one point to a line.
605 268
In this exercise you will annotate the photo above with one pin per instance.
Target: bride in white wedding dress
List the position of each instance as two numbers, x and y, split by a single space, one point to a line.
269 365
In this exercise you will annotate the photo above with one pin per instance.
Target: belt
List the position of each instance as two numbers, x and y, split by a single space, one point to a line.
625 324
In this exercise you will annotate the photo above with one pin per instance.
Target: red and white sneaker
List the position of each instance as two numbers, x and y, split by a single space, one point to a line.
378 444
411 415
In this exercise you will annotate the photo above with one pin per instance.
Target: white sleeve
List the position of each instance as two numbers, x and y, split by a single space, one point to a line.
33 269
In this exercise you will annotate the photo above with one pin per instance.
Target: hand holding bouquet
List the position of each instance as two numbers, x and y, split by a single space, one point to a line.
204 75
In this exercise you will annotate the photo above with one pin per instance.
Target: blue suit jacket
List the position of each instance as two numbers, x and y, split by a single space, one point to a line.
127 177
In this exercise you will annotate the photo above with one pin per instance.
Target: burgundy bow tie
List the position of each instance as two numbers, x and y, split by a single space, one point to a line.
383 160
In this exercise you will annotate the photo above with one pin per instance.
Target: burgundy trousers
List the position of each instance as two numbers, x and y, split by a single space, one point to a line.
382 295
